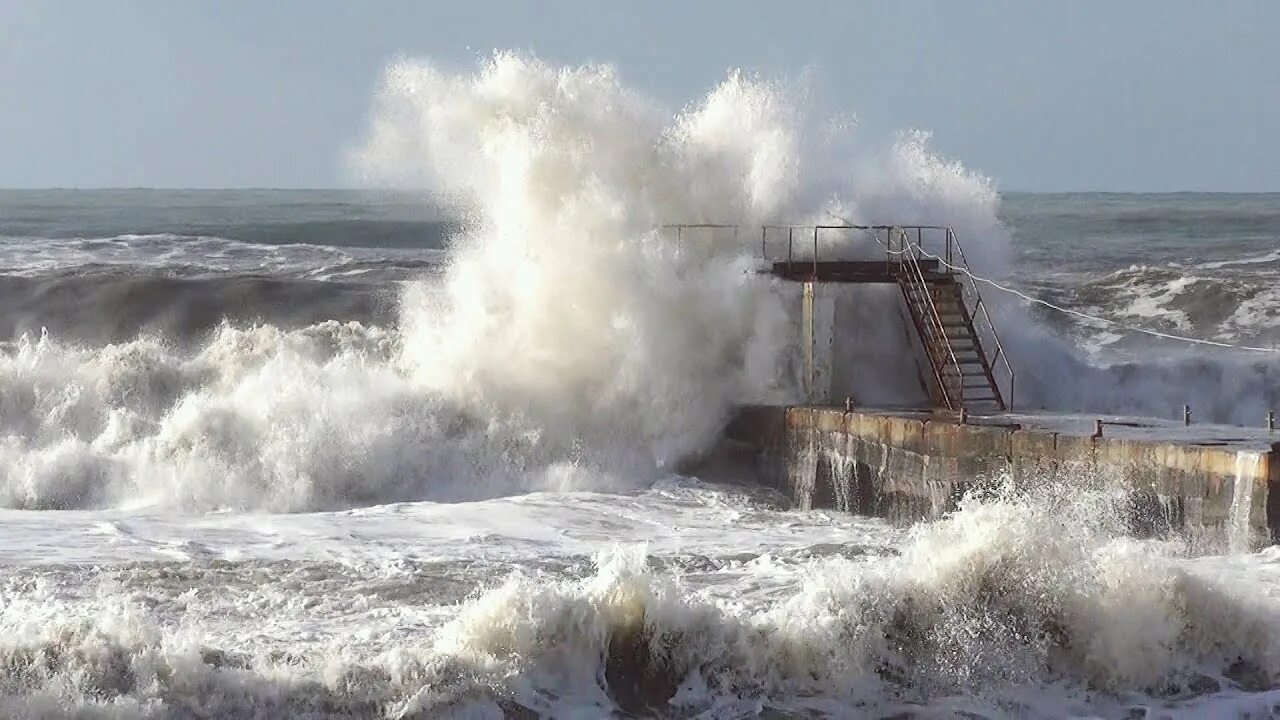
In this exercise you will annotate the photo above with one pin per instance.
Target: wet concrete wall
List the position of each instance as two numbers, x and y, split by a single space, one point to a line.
911 467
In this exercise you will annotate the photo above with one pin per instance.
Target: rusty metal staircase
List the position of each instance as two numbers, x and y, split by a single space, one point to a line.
948 314
966 360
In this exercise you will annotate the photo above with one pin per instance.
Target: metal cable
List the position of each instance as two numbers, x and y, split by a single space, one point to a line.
1105 321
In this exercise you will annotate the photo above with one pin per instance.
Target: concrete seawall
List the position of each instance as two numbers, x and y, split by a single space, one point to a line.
1219 485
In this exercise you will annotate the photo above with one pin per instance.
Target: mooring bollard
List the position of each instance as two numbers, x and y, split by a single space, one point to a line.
1186 414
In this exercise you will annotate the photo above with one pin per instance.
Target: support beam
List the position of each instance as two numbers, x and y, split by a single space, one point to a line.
818 328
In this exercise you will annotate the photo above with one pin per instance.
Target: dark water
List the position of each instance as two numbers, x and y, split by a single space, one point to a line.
342 218
1199 264
102 265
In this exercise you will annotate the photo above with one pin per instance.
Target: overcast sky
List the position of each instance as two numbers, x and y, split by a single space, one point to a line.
1151 95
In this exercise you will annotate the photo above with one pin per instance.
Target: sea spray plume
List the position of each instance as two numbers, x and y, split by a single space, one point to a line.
563 307
908 183
569 345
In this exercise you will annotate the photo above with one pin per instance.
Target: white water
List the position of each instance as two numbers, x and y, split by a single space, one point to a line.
1240 535
568 345
511 428
1031 605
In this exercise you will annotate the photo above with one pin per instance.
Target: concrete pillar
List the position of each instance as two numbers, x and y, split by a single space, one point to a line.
818 329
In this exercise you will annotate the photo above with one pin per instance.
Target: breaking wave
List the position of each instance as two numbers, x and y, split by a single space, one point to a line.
1026 603
561 337
565 332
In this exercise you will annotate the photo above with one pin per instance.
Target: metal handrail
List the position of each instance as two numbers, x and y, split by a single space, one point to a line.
979 311
1000 355
679 228
952 256
909 259
791 239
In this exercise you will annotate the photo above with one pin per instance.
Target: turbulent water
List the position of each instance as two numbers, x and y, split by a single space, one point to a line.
418 453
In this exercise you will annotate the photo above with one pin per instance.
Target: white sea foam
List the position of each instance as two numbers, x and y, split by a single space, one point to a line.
1265 258
1032 604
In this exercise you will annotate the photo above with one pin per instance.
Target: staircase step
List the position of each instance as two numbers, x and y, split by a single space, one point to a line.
952 384
973 382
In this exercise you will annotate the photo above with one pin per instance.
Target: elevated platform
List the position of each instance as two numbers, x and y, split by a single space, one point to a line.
1219 485
957 356
853 271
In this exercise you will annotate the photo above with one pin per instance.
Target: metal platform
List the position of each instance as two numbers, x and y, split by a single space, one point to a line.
968 367
850 271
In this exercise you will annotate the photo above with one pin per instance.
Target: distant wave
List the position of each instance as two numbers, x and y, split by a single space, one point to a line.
1234 301
334 232
1264 259
114 307
192 254
110 289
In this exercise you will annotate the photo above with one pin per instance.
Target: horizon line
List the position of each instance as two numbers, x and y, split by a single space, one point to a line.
299 188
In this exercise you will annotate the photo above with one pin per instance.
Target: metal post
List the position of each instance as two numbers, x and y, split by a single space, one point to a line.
1271 419
764 253
964 413
1186 414
815 252
790 235
848 404
1097 428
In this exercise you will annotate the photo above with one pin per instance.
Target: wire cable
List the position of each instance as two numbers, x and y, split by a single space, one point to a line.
1068 311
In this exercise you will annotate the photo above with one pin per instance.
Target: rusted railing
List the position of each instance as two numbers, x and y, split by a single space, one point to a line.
971 287
933 334
952 259
898 243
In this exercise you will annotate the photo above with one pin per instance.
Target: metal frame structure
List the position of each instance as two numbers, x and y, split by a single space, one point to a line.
924 275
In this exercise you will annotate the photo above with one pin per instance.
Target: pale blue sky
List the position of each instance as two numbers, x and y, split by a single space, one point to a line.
1127 95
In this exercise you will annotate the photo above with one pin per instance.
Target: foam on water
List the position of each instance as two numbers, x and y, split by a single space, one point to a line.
1031 604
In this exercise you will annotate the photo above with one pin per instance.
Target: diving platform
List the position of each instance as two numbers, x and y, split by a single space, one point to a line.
851 271
958 357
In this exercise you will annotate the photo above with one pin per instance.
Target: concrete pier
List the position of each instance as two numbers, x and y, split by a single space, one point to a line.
1219 485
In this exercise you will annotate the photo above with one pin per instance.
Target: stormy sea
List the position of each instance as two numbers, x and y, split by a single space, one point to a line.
425 452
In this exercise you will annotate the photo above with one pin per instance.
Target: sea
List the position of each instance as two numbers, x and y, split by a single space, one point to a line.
426 453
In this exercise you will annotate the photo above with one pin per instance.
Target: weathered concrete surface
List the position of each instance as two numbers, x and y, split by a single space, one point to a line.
1219 485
